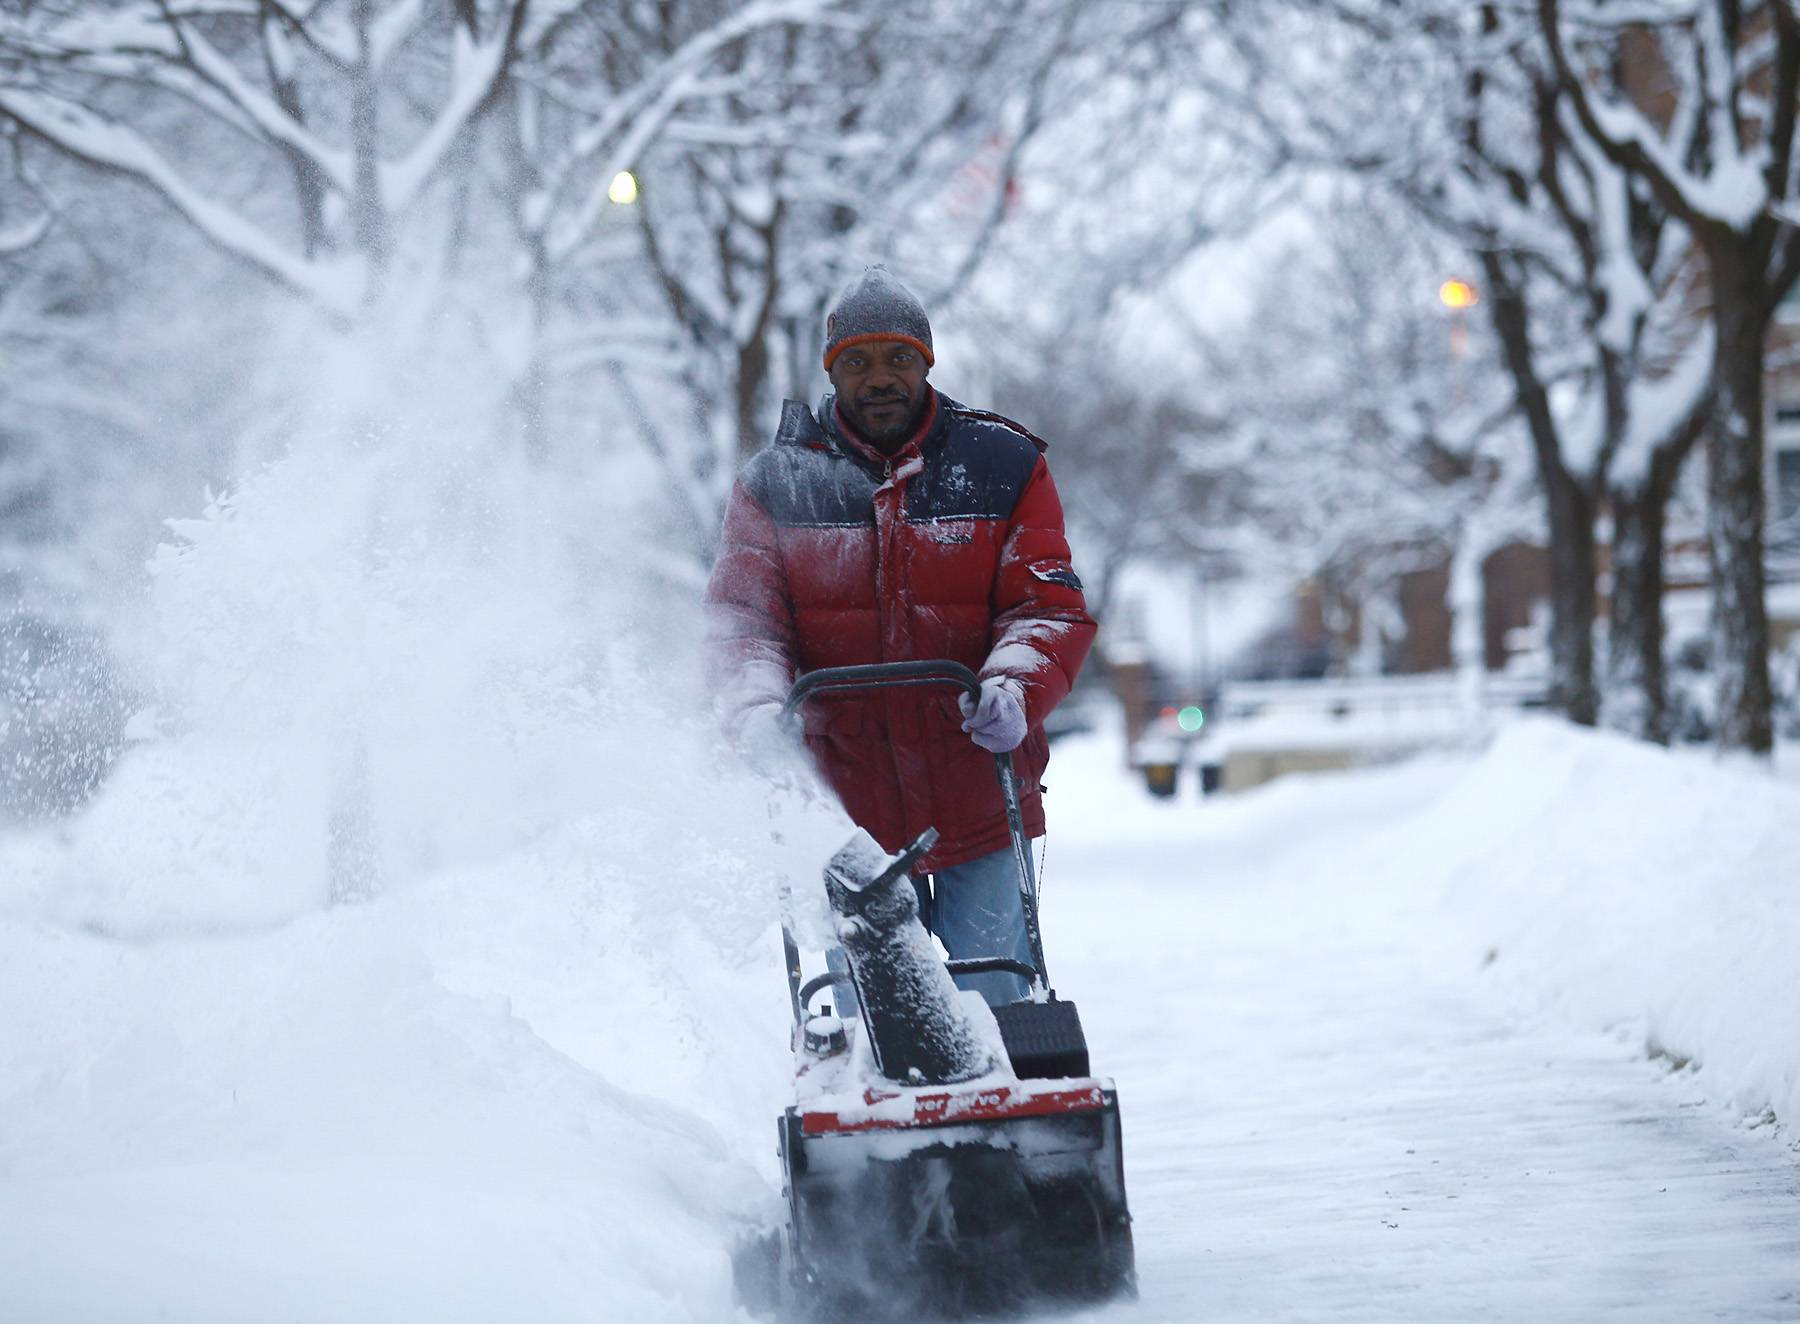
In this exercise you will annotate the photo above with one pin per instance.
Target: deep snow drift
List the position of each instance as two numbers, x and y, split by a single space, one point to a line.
1625 885
1590 878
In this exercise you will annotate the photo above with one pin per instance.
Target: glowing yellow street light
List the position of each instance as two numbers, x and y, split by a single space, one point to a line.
1458 294
623 189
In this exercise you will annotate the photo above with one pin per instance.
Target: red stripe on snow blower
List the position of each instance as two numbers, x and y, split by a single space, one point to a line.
944 1109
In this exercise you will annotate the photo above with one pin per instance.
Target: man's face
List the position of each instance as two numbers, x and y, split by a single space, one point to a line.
881 388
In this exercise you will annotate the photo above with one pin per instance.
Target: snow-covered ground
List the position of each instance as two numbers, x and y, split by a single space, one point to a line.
524 1087
1380 1039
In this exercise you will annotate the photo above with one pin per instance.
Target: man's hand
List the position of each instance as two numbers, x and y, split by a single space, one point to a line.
997 723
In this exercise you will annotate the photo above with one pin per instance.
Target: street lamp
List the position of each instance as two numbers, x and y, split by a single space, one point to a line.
1458 294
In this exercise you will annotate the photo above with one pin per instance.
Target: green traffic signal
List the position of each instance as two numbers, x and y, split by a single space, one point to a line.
1191 718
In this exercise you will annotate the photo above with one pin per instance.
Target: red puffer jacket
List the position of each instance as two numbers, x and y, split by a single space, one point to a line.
833 554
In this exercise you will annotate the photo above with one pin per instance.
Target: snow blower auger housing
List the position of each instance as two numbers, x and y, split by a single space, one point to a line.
942 1158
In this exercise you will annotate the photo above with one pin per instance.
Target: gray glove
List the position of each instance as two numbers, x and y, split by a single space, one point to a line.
997 723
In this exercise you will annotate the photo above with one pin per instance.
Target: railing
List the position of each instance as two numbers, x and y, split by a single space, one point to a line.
1361 696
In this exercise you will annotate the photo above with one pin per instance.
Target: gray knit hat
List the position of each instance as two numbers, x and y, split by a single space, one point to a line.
875 306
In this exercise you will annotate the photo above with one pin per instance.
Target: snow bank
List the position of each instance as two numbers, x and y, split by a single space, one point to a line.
1598 880
1633 885
310 1126
544 1082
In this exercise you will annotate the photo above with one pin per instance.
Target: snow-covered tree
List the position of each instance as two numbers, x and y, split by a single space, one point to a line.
361 108
1586 275
1373 423
1459 111
631 101
1131 446
1711 136
1095 285
817 148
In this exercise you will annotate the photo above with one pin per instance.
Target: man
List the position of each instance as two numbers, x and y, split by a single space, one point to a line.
900 525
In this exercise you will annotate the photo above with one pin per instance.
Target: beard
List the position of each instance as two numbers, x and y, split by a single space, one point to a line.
877 424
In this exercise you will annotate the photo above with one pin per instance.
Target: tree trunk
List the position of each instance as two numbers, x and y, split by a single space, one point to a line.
1571 507
1735 503
1637 680
754 360
368 215
309 182
1637 697
752 371
1573 600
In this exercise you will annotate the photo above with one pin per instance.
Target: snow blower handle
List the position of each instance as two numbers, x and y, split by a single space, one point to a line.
880 675
939 671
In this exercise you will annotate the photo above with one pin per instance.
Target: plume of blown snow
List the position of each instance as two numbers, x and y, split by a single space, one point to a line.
536 1059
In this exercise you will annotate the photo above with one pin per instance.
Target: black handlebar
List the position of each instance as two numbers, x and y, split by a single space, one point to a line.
875 675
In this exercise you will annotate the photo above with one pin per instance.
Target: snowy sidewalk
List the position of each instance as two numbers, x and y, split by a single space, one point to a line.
1330 1115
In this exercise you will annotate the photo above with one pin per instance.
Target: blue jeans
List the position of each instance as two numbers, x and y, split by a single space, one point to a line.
975 910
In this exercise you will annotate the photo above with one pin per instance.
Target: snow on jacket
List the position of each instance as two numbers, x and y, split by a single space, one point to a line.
833 554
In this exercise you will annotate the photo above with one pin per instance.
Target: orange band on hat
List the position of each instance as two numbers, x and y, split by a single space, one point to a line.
870 337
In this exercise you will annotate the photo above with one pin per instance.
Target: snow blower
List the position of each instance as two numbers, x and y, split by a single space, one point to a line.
942 1158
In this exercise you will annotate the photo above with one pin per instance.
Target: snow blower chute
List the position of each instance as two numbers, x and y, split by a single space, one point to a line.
941 1158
